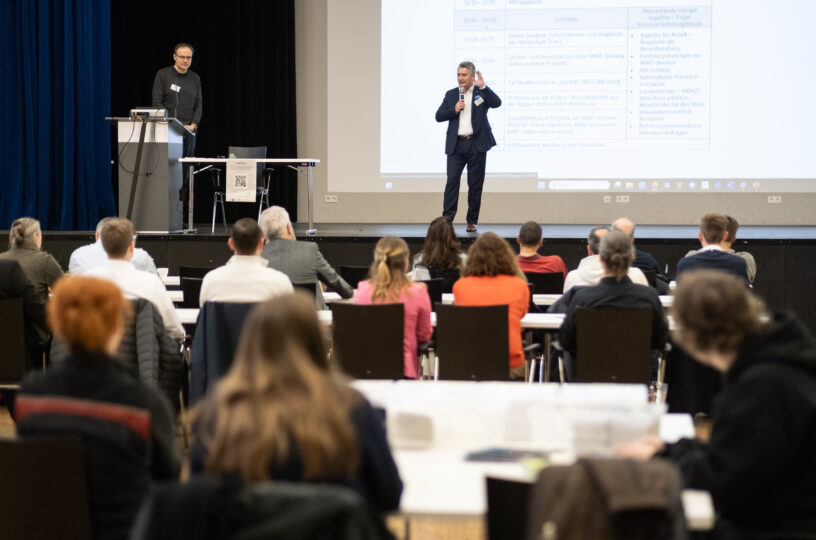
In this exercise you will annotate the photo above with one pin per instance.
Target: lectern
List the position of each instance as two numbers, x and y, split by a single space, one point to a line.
150 174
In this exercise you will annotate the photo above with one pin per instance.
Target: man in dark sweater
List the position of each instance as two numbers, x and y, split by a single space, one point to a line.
177 88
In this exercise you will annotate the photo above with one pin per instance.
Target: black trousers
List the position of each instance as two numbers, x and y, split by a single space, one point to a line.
465 154
184 192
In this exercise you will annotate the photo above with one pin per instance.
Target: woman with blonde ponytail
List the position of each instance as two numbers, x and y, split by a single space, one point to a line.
25 241
390 284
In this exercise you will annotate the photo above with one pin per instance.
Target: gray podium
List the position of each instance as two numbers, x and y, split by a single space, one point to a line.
149 149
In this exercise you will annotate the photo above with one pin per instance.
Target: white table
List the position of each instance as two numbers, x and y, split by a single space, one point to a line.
176 296
294 163
538 299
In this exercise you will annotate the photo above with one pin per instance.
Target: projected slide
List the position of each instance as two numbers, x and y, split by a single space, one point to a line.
652 95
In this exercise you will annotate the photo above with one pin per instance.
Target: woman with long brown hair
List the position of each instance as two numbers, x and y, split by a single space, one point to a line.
389 284
283 412
441 256
491 276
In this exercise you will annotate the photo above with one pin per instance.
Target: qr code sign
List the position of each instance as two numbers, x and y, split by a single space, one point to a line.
240 180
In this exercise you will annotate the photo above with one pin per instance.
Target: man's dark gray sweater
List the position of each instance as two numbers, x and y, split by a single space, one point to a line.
184 105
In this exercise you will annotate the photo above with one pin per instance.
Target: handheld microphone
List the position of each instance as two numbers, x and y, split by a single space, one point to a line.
461 93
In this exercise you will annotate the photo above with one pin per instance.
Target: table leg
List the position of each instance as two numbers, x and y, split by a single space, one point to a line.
309 196
191 189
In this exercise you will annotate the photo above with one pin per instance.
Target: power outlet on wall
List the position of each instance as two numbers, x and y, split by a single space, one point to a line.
774 199
330 198
623 199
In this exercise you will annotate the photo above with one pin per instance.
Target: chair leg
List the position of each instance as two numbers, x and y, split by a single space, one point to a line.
215 203
561 367
531 373
224 215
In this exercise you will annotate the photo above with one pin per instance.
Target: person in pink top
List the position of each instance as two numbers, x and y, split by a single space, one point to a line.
389 284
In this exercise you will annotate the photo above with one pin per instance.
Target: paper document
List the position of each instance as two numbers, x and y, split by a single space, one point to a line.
241 178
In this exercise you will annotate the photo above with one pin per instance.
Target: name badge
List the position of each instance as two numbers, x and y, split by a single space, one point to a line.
175 87
478 101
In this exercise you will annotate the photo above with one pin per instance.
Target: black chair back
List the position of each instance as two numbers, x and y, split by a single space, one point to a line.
651 277
614 345
434 289
508 506
12 336
472 342
367 341
546 282
44 494
193 271
354 274
250 152
190 290
307 287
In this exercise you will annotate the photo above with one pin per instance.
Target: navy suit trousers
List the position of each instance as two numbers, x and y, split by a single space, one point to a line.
465 154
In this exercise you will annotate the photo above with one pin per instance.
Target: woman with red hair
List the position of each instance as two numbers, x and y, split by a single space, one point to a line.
125 426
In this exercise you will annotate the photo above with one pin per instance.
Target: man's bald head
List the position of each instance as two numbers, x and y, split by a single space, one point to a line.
626 225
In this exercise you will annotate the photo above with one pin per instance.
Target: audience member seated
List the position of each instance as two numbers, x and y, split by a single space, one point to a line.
124 425
245 277
92 255
491 277
728 240
713 228
389 284
590 271
441 256
615 290
14 284
529 241
644 261
283 412
25 241
759 463
301 261
119 241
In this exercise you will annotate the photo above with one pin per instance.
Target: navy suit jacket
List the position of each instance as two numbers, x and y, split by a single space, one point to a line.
482 134
714 260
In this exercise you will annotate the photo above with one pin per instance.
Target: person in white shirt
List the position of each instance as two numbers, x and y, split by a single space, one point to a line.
92 255
590 271
245 277
119 241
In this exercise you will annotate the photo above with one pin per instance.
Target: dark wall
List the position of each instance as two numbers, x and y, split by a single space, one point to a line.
245 56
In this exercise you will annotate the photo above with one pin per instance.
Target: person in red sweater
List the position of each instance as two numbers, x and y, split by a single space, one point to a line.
529 241
490 277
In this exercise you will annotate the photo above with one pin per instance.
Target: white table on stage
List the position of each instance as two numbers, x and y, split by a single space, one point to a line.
294 163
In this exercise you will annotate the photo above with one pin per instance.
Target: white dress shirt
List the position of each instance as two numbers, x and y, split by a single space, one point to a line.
590 272
140 284
245 278
465 125
93 255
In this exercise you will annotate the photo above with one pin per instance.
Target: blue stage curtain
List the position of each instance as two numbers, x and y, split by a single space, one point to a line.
55 62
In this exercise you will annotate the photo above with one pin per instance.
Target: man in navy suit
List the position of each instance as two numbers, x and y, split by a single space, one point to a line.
713 228
468 139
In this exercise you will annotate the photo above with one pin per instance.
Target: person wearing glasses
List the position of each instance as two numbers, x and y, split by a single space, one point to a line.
177 89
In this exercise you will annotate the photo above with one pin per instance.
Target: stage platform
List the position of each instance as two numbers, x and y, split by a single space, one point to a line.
786 256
